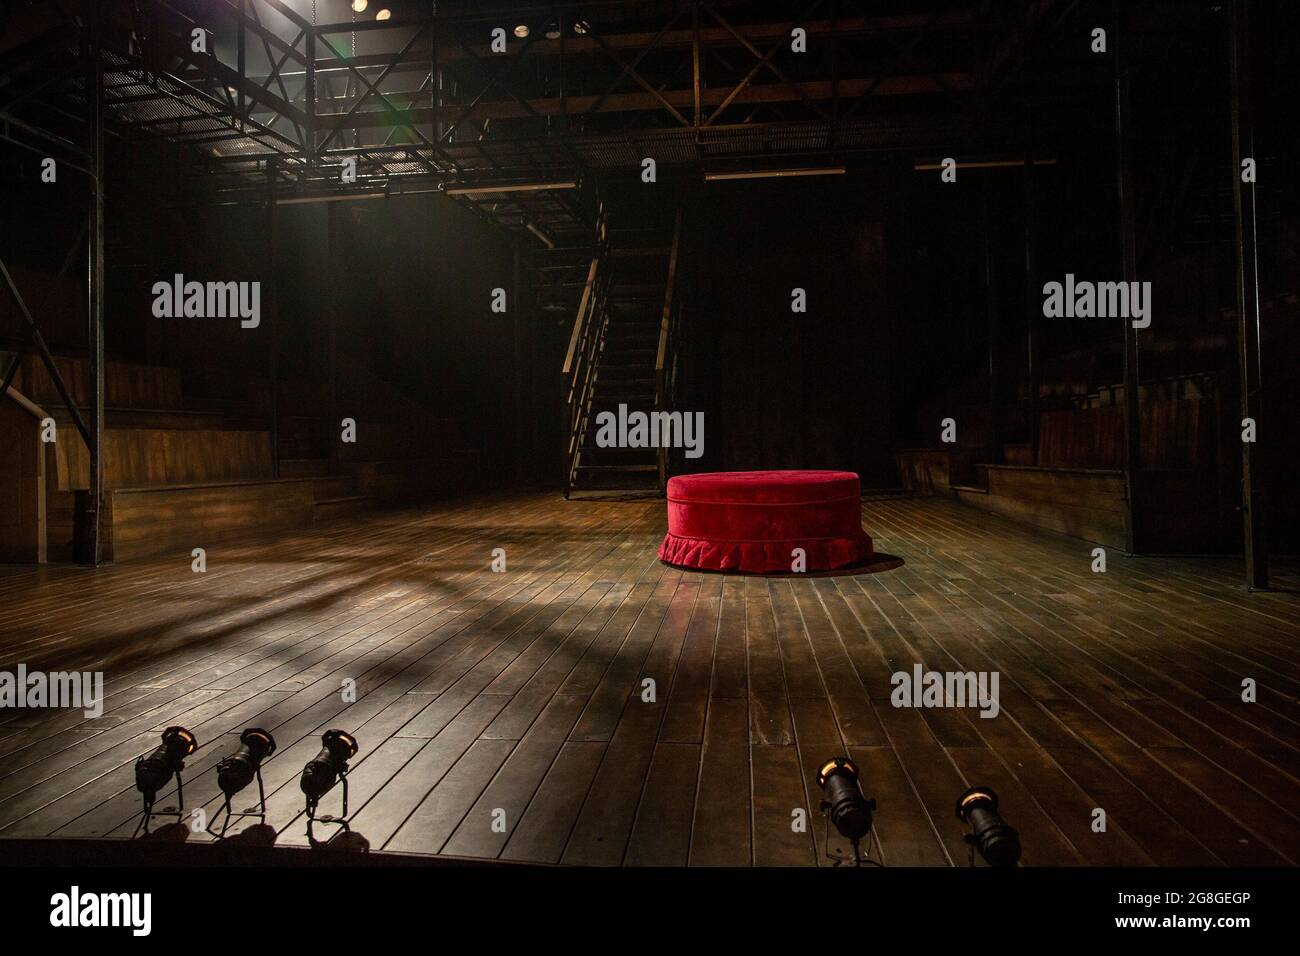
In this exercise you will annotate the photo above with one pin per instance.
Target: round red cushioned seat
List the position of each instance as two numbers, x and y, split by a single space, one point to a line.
753 520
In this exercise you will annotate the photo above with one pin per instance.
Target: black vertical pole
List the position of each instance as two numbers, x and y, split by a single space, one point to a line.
309 95
435 73
1248 330
331 244
95 296
1033 305
516 311
994 324
273 286
242 61
1128 262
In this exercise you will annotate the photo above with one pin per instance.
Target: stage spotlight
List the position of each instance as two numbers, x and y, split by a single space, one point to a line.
845 806
359 5
241 768
383 14
323 771
237 771
580 27
553 30
997 841
521 30
154 770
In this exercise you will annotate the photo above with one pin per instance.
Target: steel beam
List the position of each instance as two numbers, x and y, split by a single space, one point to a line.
95 295
1249 358
273 358
1128 265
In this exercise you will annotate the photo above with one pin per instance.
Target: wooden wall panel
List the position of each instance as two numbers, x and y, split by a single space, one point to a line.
152 521
125 385
1175 436
147 457
22 484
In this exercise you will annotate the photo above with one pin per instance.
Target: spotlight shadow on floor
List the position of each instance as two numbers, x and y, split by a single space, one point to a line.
167 833
259 834
348 841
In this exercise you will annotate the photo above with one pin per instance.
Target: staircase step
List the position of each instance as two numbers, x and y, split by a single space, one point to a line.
167 418
633 252
610 469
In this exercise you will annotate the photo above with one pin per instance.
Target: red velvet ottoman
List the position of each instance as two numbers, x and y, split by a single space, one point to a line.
753 520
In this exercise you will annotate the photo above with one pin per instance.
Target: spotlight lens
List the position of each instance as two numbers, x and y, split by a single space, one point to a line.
383 14
521 30
183 738
831 766
580 28
359 5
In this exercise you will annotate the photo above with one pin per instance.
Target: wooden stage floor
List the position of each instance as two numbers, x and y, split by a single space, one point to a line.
521 691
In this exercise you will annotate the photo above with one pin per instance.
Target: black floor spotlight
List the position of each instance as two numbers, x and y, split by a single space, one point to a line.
322 772
846 807
154 770
241 768
997 841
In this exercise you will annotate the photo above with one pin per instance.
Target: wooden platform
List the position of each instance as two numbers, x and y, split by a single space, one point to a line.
521 691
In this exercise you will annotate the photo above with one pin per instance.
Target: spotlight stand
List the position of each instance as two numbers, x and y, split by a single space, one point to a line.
859 857
851 810
177 743
340 821
233 775
258 811
320 775
149 813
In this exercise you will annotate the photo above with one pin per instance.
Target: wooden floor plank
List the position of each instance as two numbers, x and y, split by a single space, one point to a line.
506 715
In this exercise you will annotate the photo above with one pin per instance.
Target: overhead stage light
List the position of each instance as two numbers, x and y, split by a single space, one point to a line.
553 30
997 841
776 173
329 197
845 806
509 188
359 5
383 14
521 30
323 771
983 164
154 770
580 27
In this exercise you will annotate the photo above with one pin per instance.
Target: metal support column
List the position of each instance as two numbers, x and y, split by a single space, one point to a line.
273 332
309 96
95 295
517 361
1033 304
1250 360
1128 263
332 359
996 429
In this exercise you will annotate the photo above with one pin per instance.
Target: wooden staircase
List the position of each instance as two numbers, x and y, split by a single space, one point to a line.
618 351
